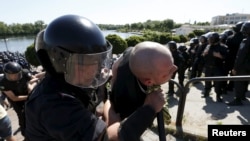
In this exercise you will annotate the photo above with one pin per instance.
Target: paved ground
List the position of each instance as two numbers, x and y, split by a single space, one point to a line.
198 113
15 126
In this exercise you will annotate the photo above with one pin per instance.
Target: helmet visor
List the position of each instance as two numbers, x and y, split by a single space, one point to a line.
88 70
13 76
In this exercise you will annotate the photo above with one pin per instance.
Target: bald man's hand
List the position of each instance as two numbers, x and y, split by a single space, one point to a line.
156 100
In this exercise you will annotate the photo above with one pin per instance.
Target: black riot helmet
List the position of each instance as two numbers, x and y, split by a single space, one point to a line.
237 26
194 41
228 32
172 45
75 47
223 37
12 71
245 29
203 38
182 48
213 38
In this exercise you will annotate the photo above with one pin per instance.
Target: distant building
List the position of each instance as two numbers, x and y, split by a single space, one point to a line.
187 28
230 19
183 30
218 22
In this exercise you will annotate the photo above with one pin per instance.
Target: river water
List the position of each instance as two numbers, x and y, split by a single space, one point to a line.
20 44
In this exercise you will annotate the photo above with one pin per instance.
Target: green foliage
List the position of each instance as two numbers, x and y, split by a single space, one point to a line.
191 35
151 36
176 39
119 44
17 29
30 55
199 32
183 38
164 38
133 40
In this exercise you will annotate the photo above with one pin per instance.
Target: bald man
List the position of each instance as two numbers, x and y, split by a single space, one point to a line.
146 65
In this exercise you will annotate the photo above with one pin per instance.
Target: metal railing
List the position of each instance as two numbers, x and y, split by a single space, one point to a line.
184 90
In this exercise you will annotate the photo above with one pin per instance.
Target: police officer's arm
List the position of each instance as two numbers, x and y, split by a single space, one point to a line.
110 116
40 75
222 53
35 79
13 97
32 83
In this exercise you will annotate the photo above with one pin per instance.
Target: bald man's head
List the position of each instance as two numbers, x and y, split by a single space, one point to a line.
148 59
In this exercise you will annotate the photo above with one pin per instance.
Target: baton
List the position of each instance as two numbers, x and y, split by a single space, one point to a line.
161 128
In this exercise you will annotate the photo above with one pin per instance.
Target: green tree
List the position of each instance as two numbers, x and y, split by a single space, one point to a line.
38 26
16 28
30 55
199 32
183 38
151 36
167 25
119 44
3 29
191 35
27 28
133 40
164 38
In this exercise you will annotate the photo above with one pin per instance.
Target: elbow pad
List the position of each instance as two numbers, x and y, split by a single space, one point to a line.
133 127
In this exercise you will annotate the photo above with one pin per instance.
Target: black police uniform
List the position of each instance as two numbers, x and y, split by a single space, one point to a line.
242 67
62 112
127 89
193 47
214 66
18 88
233 44
179 62
198 64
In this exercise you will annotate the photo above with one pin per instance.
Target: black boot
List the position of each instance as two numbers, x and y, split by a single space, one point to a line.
219 99
235 102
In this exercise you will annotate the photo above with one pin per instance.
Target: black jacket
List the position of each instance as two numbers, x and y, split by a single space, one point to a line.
242 61
57 111
126 95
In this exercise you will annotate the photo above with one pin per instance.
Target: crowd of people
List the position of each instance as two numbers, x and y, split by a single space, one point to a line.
215 54
61 102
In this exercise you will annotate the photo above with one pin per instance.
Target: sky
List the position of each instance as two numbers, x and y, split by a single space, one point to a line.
119 11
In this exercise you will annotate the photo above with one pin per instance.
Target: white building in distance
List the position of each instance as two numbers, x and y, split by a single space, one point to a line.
230 19
217 22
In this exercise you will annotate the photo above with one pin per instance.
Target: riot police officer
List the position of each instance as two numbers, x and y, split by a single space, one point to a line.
214 57
179 62
198 63
194 43
76 58
14 84
233 44
242 66
186 63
